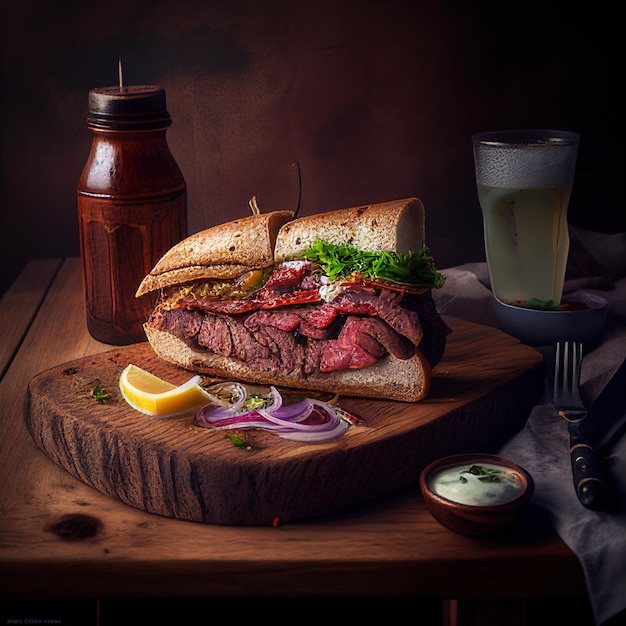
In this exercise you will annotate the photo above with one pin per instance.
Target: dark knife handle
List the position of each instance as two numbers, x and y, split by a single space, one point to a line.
589 482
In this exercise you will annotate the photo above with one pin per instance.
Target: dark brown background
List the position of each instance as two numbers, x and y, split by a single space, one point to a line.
377 99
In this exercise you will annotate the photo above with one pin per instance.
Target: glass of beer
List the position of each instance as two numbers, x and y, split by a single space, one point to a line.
524 180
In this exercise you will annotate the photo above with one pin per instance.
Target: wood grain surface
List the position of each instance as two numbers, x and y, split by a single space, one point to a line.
19 305
482 392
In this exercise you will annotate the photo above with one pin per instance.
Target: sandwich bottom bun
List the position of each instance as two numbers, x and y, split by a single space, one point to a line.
406 380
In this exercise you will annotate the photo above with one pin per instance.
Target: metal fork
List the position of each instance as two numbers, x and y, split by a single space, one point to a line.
589 483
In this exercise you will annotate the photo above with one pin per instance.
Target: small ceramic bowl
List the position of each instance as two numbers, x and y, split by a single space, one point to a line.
542 328
475 494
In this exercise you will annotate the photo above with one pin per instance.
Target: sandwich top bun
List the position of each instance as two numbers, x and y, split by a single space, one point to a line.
224 251
396 226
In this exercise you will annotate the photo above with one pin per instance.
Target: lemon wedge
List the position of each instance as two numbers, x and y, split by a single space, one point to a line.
151 395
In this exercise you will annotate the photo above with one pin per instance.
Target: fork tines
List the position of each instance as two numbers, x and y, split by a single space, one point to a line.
567 366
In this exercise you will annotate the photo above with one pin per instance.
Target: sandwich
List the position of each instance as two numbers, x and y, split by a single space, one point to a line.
337 302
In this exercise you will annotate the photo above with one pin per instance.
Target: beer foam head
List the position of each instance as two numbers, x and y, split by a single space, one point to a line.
536 159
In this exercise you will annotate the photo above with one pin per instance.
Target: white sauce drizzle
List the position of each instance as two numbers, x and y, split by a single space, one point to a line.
330 290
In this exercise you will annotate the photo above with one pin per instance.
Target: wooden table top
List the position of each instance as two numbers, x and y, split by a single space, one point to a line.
61 538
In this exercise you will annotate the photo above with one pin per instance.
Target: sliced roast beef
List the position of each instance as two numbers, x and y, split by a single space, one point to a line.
319 316
286 331
289 319
224 307
287 275
394 342
265 348
335 358
247 345
180 322
286 356
313 356
385 305
352 349
215 335
352 335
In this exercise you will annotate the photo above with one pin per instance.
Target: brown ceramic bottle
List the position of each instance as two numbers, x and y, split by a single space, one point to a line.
131 207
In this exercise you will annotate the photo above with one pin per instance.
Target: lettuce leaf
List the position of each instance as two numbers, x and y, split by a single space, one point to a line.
415 269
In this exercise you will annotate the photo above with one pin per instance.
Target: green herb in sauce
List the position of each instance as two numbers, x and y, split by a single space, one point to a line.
485 475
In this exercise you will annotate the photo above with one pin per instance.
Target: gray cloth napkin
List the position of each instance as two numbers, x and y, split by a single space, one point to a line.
542 446
598 539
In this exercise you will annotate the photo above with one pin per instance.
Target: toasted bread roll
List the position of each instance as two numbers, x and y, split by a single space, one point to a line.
396 226
224 251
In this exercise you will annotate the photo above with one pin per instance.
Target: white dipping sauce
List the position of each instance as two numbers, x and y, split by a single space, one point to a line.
459 485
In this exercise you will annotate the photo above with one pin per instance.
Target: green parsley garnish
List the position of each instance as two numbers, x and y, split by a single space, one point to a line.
99 395
485 474
415 269
237 441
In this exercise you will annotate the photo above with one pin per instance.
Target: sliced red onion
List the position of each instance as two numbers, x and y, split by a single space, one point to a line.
238 392
308 420
277 400
308 437
328 417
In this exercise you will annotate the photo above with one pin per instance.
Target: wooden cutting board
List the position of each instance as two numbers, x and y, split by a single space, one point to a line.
482 392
